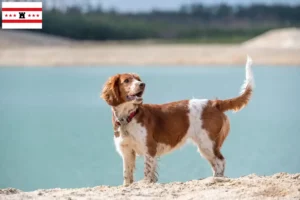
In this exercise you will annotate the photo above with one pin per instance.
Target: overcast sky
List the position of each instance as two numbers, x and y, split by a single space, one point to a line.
137 5
146 5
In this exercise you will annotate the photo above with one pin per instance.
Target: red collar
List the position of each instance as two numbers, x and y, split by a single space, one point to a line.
129 118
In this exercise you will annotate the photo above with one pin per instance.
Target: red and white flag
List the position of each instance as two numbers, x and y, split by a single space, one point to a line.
22 15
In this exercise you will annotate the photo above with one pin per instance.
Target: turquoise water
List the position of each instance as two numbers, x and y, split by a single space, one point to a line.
55 131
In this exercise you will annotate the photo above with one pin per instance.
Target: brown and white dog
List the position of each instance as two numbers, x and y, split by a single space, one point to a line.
152 130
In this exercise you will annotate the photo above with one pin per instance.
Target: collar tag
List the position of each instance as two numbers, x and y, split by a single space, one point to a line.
127 119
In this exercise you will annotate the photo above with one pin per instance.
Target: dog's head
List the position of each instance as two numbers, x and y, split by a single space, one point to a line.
122 88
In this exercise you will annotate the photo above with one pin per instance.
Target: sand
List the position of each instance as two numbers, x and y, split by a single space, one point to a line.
288 38
141 55
27 49
278 186
20 38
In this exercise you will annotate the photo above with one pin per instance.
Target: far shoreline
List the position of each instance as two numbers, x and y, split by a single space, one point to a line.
144 55
154 66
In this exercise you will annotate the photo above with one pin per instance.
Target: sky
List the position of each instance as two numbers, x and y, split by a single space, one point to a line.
146 5
138 5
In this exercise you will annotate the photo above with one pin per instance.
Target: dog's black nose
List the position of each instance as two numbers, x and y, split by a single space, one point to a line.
142 85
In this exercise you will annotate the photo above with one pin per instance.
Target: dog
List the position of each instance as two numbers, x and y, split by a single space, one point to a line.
123 113
153 130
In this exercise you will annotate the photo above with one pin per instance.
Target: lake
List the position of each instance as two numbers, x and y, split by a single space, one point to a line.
55 131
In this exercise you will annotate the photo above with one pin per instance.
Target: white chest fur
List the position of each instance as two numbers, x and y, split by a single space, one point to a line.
135 138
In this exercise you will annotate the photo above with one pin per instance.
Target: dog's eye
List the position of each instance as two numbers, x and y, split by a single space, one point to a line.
126 80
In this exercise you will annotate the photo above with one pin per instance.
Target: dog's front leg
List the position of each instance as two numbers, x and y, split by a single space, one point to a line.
150 169
128 156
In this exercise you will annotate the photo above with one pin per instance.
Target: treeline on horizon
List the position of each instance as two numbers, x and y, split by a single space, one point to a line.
217 23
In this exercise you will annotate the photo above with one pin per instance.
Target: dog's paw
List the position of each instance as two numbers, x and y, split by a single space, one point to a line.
126 184
218 175
148 181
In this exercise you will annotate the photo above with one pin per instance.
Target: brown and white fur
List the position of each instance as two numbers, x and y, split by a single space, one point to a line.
158 129
122 111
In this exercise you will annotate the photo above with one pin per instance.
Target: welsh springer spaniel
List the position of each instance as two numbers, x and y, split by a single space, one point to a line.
153 130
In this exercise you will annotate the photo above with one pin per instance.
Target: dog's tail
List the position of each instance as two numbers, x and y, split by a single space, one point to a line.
241 101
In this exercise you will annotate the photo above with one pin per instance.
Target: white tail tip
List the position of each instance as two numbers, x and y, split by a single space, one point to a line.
249 81
249 60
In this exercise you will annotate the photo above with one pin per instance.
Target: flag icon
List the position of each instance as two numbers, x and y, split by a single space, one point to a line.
22 15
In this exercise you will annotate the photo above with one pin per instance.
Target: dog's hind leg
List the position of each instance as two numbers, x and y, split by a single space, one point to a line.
207 149
218 164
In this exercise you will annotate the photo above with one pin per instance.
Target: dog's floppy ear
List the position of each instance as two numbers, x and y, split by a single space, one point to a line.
110 92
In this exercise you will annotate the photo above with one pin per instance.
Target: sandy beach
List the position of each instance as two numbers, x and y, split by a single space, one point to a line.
278 47
144 54
277 186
